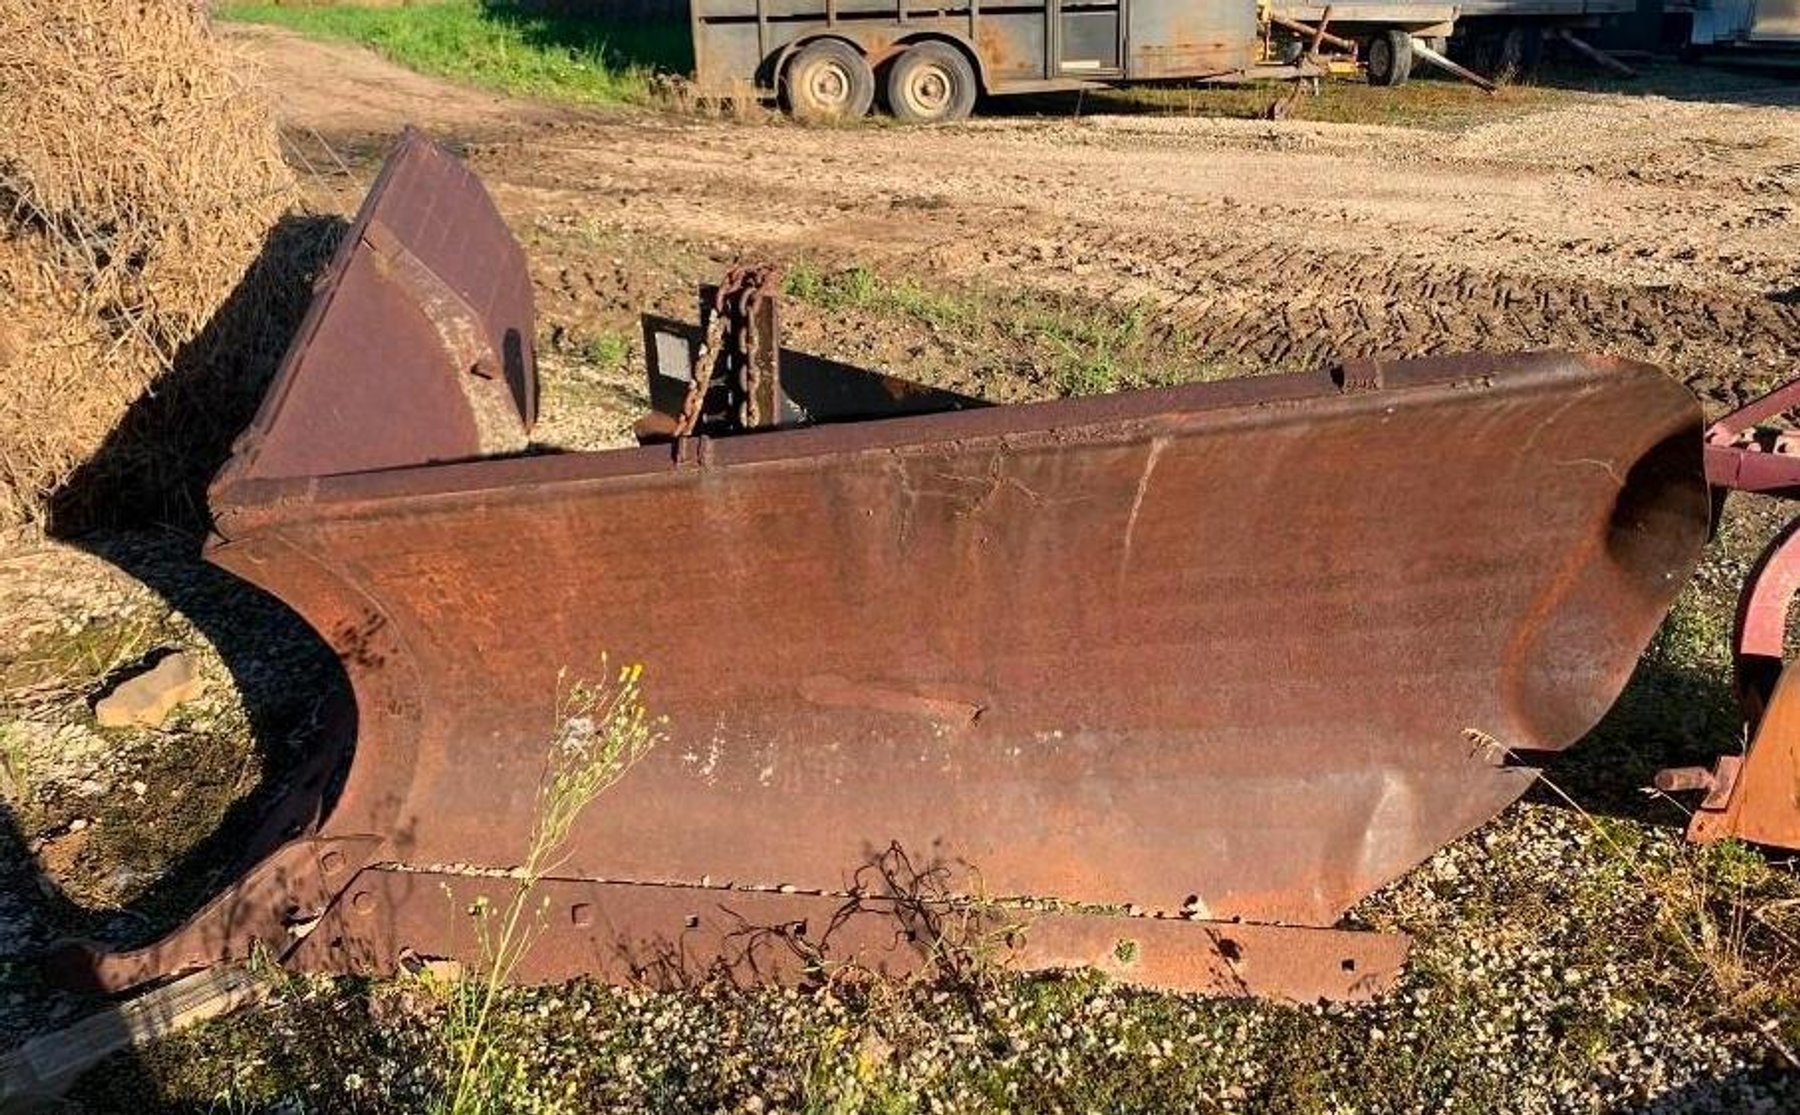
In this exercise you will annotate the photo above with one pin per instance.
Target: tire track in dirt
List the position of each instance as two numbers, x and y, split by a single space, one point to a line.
1247 293
1444 252
1267 307
821 188
1636 226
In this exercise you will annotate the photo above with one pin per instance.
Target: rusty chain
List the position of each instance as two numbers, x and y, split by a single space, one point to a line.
728 339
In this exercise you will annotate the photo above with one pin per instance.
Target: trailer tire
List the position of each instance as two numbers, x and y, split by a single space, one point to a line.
1389 57
931 83
828 80
1520 53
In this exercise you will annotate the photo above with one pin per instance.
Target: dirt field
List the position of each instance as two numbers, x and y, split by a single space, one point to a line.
1643 226
1023 256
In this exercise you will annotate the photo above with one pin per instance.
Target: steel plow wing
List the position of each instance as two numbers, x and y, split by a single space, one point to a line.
1160 682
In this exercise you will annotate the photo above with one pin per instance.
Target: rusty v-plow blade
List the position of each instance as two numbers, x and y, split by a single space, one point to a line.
1193 669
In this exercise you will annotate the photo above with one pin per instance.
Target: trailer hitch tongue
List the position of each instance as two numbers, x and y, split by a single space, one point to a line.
1160 682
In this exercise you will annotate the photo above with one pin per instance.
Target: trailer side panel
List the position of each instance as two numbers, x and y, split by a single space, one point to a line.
1017 47
1171 39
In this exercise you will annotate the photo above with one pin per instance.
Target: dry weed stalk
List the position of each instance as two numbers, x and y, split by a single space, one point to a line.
603 729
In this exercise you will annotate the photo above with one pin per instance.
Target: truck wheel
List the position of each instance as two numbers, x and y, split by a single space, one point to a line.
828 80
931 83
1390 58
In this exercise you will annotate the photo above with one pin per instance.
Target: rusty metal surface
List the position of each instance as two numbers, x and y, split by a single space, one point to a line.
1749 450
1213 649
257 917
1173 39
810 390
734 375
674 936
1024 624
418 343
1755 795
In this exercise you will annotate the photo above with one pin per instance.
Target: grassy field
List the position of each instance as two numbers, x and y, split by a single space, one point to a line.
493 44
1075 348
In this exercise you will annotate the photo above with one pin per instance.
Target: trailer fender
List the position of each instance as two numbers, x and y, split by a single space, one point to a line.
968 51
878 53
778 61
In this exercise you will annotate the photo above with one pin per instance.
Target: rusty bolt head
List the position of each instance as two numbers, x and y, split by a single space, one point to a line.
1676 780
332 862
582 914
362 902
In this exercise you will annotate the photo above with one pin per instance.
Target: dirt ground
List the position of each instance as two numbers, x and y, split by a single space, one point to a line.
1640 225
1649 226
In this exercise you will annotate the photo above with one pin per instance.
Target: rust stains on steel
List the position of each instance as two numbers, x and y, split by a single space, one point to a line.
417 346
1207 651
668 937
737 359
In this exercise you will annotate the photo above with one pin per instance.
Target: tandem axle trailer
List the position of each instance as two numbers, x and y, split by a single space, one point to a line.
834 59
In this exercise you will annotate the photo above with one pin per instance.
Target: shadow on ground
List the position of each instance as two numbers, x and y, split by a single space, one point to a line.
1428 100
1734 1092
1666 717
626 33
139 503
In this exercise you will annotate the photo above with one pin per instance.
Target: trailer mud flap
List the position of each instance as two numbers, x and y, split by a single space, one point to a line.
1190 669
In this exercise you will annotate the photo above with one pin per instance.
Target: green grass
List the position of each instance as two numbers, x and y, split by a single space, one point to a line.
79 659
858 288
1079 347
608 348
591 60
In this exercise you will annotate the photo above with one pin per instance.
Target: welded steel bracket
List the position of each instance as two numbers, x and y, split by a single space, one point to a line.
731 375
260 917
1755 795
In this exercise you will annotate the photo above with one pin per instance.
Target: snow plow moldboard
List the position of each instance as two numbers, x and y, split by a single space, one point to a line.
1192 669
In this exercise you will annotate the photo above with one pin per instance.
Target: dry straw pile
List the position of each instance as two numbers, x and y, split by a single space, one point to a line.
141 183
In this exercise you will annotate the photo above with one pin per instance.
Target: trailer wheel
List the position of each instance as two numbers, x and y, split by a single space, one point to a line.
931 83
828 80
1521 51
1390 58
